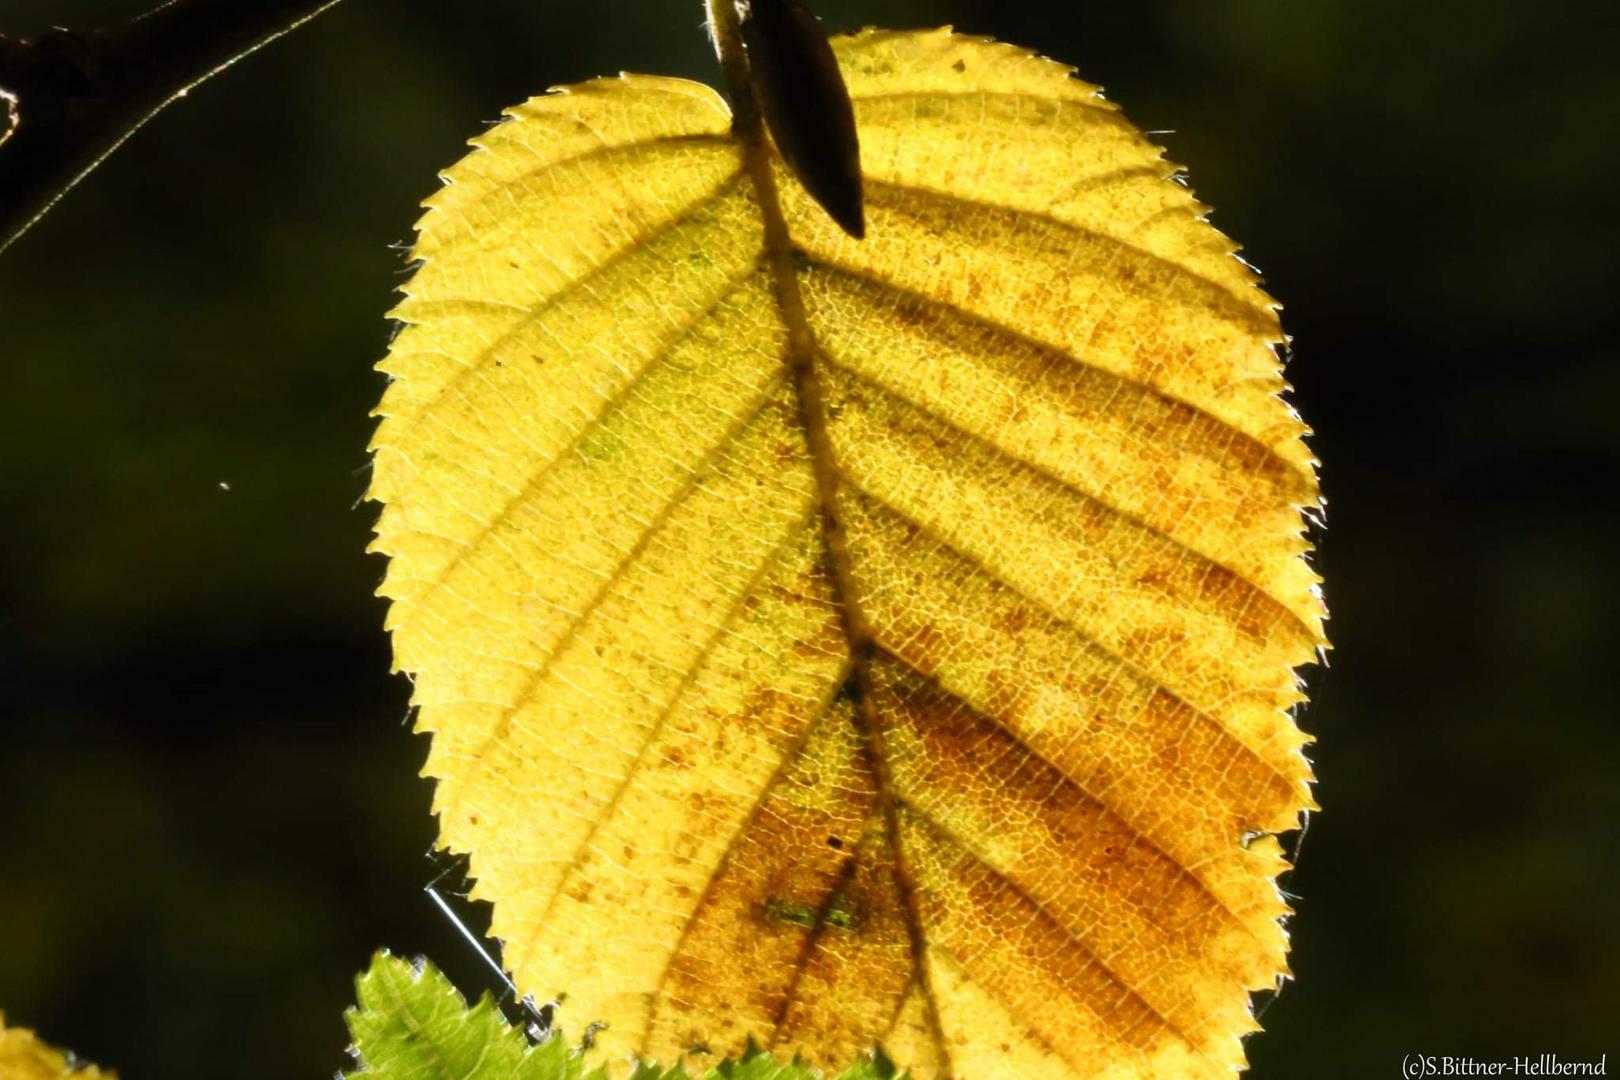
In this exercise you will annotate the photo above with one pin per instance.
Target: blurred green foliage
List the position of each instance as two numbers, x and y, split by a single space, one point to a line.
207 795
411 1023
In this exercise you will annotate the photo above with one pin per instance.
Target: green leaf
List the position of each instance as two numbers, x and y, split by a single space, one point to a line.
413 1024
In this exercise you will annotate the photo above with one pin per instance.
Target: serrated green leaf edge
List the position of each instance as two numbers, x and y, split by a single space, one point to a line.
411 1023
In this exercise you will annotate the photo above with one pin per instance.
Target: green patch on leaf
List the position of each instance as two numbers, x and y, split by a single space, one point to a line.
841 913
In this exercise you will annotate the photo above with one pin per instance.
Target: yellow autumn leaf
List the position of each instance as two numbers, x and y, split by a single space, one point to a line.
838 642
24 1057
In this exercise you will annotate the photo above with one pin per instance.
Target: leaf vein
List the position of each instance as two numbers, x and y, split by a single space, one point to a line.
1079 942
532 683
584 283
1250 307
688 676
1130 667
1019 461
704 895
692 138
1215 900
826 265
538 475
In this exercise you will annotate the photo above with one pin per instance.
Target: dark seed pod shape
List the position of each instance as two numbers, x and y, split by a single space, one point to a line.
806 105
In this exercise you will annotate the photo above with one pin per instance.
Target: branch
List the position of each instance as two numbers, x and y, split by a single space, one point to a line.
74 98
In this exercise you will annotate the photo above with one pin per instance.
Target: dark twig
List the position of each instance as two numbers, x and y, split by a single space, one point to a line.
73 98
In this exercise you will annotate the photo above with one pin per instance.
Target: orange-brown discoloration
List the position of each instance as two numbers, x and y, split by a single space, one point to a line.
835 643
739 967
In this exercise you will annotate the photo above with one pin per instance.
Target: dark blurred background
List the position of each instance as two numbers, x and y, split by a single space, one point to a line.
209 810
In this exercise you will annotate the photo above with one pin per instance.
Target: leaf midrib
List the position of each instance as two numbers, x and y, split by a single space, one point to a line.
799 360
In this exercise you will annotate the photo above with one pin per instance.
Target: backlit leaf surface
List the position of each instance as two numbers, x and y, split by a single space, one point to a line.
24 1057
856 641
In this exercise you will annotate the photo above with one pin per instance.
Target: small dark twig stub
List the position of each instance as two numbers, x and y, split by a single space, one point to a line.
71 99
